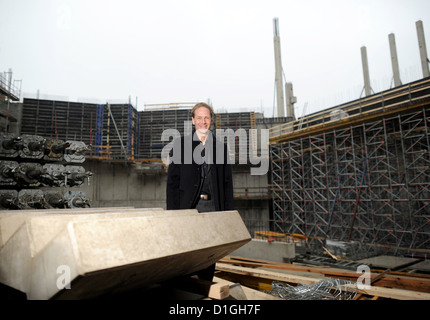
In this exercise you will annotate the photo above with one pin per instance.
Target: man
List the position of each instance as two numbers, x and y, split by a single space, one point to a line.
200 176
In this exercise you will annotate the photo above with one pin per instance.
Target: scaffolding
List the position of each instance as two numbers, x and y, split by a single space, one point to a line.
118 132
109 128
8 89
152 123
363 179
59 119
246 121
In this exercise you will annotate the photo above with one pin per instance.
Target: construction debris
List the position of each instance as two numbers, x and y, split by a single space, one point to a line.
300 281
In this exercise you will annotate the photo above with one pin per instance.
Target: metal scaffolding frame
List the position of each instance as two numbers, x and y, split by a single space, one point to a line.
366 183
110 129
118 132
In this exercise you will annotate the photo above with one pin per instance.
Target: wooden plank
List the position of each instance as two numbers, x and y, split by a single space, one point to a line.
255 283
240 292
206 288
331 272
284 277
391 293
254 260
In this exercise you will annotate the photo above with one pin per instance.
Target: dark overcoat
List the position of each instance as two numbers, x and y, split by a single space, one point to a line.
184 172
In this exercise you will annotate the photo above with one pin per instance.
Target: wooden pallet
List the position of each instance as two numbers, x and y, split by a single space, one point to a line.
259 274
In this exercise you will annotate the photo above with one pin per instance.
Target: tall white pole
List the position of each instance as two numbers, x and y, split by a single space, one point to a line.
365 64
394 60
423 49
278 70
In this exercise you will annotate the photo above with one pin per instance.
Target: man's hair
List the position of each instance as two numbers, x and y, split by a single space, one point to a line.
205 105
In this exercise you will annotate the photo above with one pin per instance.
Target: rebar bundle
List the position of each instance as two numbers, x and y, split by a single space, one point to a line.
30 162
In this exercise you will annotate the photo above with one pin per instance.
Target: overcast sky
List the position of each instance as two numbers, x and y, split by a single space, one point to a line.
169 51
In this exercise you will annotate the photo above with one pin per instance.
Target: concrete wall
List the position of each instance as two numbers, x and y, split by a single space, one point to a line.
14 109
120 184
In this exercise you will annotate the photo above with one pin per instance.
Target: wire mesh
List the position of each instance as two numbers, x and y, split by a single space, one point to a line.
327 289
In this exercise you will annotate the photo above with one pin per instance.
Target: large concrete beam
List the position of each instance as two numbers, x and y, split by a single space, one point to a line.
24 233
291 100
394 60
423 49
111 253
11 220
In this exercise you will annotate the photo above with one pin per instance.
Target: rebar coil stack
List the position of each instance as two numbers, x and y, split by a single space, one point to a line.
38 172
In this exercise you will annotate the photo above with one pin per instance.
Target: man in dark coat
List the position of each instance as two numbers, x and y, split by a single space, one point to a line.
200 155
200 175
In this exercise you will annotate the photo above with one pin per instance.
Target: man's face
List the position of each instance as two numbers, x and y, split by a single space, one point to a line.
202 120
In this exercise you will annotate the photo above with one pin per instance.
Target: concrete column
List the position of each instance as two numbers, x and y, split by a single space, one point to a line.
278 70
10 80
394 60
423 49
367 87
291 100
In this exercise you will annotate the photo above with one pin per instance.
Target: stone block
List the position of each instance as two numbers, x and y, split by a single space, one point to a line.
111 252
262 249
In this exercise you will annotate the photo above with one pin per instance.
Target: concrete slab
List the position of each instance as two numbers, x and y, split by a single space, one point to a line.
25 233
44 228
388 262
15 261
262 249
422 266
10 221
114 253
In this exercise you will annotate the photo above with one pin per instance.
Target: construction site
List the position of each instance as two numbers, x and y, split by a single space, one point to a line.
341 213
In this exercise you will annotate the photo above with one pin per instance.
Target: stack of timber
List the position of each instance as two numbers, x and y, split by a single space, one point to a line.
384 284
89 253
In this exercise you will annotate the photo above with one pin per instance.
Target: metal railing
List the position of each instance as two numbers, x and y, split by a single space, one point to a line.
8 87
379 103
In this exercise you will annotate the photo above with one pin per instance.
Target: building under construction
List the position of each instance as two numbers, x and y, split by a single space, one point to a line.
126 147
355 172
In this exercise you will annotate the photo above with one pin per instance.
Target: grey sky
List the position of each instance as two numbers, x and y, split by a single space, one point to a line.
193 50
